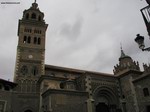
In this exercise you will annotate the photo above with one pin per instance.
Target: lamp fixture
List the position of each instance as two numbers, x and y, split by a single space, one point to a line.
140 41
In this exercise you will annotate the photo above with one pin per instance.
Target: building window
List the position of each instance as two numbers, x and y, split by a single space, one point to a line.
33 16
1 87
35 71
28 30
27 16
39 41
35 40
61 85
39 18
145 92
123 96
25 39
7 88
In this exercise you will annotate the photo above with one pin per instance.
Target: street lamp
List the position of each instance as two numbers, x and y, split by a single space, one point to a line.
146 16
148 1
140 41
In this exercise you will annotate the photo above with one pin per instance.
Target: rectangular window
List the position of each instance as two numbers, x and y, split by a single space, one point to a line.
146 92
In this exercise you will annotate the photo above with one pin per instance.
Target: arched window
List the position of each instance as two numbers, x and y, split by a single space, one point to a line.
33 16
35 40
25 39
27 16
39 41
29 39
39 18
1 86
146 92
35 70
7 88
61 85
24 70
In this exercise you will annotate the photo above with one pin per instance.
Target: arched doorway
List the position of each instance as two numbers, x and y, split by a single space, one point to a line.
102 107
28 111
105 100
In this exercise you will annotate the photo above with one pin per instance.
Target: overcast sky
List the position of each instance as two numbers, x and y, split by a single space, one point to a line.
82 34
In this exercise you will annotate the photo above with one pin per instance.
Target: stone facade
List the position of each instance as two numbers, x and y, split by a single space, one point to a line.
6 94
48 88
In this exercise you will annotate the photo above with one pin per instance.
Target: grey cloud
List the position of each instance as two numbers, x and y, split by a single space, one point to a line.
73 30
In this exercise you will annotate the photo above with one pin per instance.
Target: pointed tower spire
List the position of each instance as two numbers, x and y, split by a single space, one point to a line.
125 63
122 52
34 5
123 55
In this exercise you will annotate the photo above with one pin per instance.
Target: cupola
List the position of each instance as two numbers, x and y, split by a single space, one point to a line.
125 62
33 13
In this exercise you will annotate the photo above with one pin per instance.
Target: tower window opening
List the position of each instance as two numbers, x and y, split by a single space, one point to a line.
38 31
28 30
29 39
39 18
146 92
35 40
7 88
33 16
35 71
39 41
25 39
1 86
27 16
62 85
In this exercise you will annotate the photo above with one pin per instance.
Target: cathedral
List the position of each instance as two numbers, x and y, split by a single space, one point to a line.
38 87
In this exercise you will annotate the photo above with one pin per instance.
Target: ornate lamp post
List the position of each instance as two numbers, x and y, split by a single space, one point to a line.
146 16
140 41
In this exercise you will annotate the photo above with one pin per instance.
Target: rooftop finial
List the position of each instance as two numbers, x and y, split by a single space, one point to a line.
122 52
34 5
120 45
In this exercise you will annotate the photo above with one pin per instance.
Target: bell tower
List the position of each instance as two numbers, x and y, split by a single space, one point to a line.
31 49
